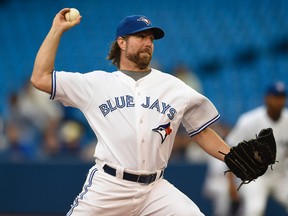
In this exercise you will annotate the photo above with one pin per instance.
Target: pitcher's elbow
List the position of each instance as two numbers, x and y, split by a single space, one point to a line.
41 80
33 81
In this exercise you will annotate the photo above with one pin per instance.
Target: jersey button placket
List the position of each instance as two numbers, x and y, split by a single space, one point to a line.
141 126
138 93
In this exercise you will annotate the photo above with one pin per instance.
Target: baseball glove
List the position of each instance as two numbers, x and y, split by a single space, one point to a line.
250 159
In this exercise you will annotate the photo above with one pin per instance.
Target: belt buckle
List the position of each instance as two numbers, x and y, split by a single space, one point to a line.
146 179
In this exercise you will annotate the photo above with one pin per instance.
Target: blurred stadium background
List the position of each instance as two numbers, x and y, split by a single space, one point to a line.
236 48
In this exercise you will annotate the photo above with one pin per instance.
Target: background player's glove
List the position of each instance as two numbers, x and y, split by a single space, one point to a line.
250 159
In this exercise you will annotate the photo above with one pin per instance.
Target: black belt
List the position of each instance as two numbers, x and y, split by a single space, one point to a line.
146 179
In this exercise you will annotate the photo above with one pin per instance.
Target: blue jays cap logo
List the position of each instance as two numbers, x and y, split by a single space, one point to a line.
163 131
137 23
144 19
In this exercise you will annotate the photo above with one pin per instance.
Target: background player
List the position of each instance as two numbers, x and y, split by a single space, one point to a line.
135 113
273 114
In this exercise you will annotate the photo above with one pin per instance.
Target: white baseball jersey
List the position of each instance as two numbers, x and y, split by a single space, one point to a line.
135 121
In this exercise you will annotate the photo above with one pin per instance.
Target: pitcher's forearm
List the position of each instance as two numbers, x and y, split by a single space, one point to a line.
212 143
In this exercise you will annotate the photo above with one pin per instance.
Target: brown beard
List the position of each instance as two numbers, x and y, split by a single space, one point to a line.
142 61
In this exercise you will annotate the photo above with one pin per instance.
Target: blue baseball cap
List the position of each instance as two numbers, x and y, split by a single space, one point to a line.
276 89
137 23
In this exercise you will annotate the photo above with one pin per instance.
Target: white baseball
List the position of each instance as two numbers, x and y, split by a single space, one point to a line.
72 14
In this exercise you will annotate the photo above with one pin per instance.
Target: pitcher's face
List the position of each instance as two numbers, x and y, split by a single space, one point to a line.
139 49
